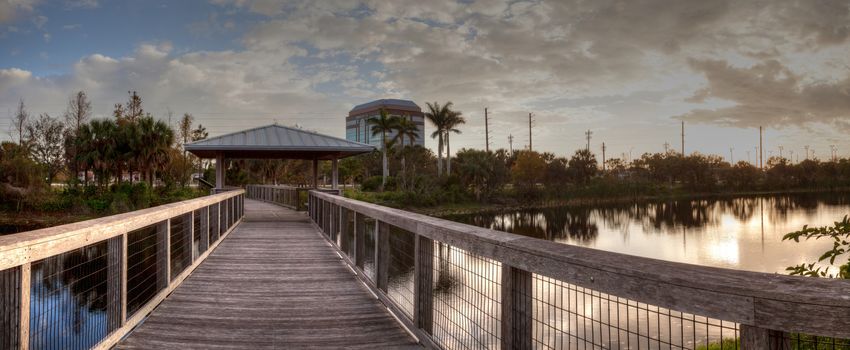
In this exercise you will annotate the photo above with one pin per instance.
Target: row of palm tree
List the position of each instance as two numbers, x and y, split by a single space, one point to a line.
446 122
108 147
386 124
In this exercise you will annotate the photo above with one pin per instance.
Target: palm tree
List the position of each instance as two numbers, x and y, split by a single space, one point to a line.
438 115
454 119
405 128
381 126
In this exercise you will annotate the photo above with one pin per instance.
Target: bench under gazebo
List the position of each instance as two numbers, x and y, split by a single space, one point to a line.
277 142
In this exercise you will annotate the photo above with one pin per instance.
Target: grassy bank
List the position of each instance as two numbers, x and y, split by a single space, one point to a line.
62 206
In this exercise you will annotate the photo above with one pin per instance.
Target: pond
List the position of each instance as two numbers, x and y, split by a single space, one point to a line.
742 233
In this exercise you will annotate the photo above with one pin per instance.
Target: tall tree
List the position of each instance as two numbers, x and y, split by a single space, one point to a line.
45 136
20 120
382 125
185 129
455 118
78 112
438 115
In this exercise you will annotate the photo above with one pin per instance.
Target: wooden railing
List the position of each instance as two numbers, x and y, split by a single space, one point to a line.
111 272
291 197
461 286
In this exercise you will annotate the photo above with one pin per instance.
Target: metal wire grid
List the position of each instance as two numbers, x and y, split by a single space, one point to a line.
70 306
797 341
467 299
196 234
145 266
346 241
369 235
566 316
10 306
400 268
214 223
225 218
181 243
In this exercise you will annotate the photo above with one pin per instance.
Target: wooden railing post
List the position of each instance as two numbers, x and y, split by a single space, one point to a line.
423 272
516 308
382 259
757 338
26 288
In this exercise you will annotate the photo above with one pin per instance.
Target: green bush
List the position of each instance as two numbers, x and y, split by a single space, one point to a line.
374 184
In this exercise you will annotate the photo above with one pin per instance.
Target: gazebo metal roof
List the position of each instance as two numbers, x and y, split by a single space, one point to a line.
276 141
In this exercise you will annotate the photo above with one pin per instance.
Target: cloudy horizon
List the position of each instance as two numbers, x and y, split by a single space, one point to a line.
629 71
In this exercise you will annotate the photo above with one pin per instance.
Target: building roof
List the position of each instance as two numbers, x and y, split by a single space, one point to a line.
276 141
389 103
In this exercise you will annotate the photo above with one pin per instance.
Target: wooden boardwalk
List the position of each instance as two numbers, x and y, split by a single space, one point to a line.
273 283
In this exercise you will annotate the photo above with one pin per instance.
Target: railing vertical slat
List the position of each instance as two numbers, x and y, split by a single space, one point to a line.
423 272
26 288
382 258
124 279
516 308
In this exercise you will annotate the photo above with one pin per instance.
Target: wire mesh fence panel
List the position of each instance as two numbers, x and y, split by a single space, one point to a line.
181 244
70 304
566 316
214 223
334 224
10 307
370 227
198 248
347 241
467 299
402 255
798 341
145 265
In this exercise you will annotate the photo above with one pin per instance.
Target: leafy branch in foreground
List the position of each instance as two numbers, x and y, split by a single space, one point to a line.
840 235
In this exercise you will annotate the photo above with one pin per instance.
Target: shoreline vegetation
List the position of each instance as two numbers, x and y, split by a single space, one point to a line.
472 207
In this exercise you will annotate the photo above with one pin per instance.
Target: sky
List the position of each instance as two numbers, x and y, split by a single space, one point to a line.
628 71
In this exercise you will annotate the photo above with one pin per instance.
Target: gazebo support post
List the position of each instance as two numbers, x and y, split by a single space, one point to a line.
219 170
315 173
335 167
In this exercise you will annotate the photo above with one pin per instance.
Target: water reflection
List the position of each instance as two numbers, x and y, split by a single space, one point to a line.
735 232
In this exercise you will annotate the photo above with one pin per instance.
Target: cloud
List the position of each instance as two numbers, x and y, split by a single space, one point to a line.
768 93
11 10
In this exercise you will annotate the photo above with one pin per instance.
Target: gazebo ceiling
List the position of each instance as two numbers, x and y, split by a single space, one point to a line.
276 141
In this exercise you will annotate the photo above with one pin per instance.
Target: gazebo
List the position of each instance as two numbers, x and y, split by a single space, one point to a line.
277 142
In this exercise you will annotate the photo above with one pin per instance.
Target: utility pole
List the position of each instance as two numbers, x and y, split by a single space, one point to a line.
731 155
807 151
511 143
781 148
748 158
761 150
603 156
587 134
486 131
530 148
791 156
666 147
834 150
683 138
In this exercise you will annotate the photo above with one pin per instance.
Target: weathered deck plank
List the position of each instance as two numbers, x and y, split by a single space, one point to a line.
273 283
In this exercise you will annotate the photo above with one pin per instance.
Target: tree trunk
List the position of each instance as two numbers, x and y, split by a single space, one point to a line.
448 156
440 155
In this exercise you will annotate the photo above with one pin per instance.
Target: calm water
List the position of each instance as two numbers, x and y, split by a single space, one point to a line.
741 233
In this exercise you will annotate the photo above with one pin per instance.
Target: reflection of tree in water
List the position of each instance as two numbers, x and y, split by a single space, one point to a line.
742 209
82 273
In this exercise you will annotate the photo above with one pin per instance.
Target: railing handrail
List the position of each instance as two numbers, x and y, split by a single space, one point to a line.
769 301
21 248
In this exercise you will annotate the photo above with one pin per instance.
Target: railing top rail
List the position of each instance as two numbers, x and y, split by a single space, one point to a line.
773 301
20 248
